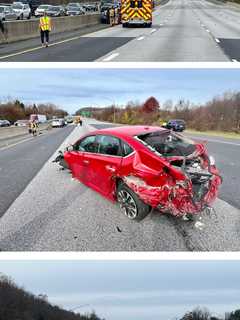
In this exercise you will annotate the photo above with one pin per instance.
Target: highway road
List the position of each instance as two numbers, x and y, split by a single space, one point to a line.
69 216
21 162
183 30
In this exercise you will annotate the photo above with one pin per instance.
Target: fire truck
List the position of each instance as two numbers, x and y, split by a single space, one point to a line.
136 12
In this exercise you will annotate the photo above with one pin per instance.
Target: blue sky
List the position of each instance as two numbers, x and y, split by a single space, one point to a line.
143 290
75 88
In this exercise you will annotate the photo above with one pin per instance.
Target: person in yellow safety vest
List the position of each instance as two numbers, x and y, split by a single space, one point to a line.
45 26
34 128
111 16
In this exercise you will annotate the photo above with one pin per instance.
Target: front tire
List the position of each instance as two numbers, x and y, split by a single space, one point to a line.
130 204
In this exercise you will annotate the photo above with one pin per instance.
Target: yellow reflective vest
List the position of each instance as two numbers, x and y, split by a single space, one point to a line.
45 23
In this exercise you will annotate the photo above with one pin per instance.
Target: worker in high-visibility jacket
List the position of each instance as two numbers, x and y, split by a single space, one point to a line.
45 26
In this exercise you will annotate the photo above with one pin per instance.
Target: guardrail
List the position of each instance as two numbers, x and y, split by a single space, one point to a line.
22 30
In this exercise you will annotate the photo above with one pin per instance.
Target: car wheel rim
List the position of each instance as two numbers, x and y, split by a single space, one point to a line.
127 204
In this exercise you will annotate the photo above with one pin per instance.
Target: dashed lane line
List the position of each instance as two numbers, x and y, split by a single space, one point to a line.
111 57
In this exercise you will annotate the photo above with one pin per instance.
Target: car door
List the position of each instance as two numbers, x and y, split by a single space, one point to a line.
7 14
105 164
78 161
11 14
25 11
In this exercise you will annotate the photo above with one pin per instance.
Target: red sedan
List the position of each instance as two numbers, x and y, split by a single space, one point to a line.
145 167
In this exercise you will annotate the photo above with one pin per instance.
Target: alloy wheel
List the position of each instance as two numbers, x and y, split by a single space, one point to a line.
128 204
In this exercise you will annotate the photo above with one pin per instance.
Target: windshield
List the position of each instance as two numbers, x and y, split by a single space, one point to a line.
54 9
17 6
43 7
168 144
1 9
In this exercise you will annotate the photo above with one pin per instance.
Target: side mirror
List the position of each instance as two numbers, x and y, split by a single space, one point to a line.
70 148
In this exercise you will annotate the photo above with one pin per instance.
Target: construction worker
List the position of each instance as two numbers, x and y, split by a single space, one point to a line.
45 26
111 16
34 128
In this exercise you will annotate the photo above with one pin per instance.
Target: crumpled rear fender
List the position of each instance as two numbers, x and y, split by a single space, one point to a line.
167 188
174 198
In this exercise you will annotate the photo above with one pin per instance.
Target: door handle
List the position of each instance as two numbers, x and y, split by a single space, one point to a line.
111 169
86 161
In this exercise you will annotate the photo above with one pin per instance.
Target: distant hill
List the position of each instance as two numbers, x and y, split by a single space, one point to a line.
18 304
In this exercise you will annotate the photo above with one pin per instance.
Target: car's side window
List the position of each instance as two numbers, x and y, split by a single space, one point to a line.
109 145
88 144
126 149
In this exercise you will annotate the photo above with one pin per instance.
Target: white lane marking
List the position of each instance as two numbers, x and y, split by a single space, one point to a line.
161 24
140 38
112 56
39 48
217 40
213 140
207 30
15 144
153 30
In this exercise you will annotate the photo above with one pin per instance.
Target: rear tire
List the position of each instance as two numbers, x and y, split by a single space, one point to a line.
133 207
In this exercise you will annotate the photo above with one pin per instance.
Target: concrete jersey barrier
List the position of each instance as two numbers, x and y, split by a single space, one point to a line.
21 30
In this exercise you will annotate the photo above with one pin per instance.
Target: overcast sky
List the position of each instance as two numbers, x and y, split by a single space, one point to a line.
75 88
127 290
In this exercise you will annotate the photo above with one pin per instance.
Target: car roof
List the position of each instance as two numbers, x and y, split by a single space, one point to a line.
126 131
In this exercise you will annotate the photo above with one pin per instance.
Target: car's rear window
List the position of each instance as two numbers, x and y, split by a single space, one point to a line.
168 144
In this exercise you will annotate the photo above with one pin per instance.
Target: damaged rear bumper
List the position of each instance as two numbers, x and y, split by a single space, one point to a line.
179 198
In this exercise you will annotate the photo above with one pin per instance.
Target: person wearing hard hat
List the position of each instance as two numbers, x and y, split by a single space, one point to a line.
45 26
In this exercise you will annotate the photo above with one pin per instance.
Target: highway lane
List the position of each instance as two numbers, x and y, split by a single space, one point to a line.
227 154
69 216
183 30
21 162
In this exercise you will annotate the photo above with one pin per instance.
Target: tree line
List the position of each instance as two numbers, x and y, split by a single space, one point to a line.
205 314
14 110
18 304
222 113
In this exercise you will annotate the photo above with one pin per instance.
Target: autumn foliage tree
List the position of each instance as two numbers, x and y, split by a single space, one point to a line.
14 110
222 113
150 105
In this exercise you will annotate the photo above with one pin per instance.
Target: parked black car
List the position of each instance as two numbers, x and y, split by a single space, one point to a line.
55 11
176 125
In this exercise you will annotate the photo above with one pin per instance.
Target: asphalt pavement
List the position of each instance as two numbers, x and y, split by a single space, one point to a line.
69 216
20 162
183 30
